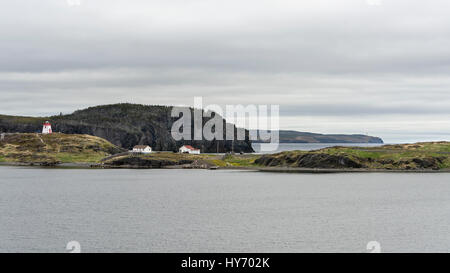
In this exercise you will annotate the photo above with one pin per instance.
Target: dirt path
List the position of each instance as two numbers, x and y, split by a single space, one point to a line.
115 155
40 138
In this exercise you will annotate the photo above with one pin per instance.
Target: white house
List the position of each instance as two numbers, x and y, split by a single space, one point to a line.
47 128
144 149
188 149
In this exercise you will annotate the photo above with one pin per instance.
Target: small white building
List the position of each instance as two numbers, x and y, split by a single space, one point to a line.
143 149
47 128
188 149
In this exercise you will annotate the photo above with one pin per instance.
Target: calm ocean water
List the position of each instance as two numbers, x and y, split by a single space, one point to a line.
310 146
221 211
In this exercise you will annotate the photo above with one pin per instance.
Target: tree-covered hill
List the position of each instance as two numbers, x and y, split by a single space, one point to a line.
124 125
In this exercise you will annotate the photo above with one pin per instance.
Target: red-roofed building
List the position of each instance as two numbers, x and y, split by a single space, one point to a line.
188 149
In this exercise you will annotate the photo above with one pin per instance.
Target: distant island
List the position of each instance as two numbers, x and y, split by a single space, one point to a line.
305 137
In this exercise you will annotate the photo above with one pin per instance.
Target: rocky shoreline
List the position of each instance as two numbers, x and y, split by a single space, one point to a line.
205 167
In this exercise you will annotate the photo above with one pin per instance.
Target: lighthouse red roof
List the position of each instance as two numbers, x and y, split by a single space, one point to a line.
190 147
47 128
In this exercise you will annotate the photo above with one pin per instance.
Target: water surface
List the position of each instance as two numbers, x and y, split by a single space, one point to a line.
221 211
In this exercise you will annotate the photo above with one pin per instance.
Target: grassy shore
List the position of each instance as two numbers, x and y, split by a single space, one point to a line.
54 148
432 156
429 155
170 159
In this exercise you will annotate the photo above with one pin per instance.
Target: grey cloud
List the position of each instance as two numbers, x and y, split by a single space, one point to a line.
363 109
354 39
318 59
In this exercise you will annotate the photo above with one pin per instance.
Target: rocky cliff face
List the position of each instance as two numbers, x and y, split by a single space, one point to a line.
139 162
310 160
124 125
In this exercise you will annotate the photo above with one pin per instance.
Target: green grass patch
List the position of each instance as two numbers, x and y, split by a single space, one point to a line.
79 158
219 163
240 160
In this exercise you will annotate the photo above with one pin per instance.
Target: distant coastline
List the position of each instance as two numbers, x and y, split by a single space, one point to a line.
290 136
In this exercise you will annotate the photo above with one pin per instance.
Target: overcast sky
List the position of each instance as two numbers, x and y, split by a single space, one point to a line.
351 66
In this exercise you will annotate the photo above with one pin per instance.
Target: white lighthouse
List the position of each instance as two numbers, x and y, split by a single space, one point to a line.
47 129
